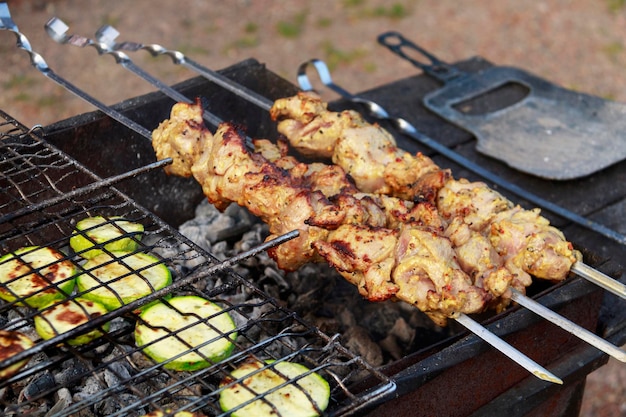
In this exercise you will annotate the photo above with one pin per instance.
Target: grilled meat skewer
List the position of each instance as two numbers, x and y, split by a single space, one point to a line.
526 243
411 260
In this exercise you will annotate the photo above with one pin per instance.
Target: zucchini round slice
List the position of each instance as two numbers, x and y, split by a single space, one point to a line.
60 318
36 276
289 400
12 343
161 320
121 235
123 278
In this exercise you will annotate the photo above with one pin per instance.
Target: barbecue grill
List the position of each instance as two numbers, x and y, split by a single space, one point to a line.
52 177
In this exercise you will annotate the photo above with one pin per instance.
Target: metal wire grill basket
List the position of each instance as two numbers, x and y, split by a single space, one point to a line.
44 193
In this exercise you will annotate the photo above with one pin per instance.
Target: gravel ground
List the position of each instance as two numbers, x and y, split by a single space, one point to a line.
579 44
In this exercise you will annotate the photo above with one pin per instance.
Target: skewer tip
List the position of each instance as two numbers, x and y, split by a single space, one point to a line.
548 377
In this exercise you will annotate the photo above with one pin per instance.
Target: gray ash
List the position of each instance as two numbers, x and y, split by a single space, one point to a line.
379 332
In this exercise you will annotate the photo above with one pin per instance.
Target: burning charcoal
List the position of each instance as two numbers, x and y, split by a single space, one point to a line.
113 404
141 361
196 233
210 226
72 373
115 374
253 237
91 386
380 318
399 338
64 398
41 384
220 249
274 282
358 340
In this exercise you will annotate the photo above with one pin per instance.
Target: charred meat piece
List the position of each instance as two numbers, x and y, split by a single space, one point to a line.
367 152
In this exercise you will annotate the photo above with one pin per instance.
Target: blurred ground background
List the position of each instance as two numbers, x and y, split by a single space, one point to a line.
579 44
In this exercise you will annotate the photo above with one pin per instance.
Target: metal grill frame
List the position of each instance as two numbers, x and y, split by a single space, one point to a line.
44 193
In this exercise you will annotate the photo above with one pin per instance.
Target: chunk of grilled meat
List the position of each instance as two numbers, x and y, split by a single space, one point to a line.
329 179
182 136
367 152
526 242
416 265
520 240
386 246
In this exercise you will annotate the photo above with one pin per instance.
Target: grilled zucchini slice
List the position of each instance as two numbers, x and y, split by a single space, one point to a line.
12 343
115 234
289 400
35 276
122 278
186 350
59 318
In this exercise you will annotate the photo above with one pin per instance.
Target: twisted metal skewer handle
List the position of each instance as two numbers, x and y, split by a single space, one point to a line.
57 30
107 34
7 23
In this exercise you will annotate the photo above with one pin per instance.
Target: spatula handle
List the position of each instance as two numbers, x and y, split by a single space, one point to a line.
406 49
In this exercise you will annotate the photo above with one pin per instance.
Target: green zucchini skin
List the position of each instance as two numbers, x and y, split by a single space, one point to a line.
289 400
19 280
58 318
97 231
12 343
161 320
146 274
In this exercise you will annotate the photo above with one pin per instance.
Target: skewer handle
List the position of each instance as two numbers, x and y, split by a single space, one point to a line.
107 35
568 325
512 353
600 279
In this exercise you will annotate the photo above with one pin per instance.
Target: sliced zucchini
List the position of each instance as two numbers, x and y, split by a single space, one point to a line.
56 319
113 234
128 277
288 401
178 414
161 320
36 276
12 343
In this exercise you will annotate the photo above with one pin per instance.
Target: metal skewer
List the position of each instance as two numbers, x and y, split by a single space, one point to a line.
107 35
7 23
512 353
57 29
568 325
600 279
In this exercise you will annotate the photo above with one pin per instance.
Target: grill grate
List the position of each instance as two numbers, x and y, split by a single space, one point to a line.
44 193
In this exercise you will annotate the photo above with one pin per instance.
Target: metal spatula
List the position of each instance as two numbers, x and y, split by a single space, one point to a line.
551 132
